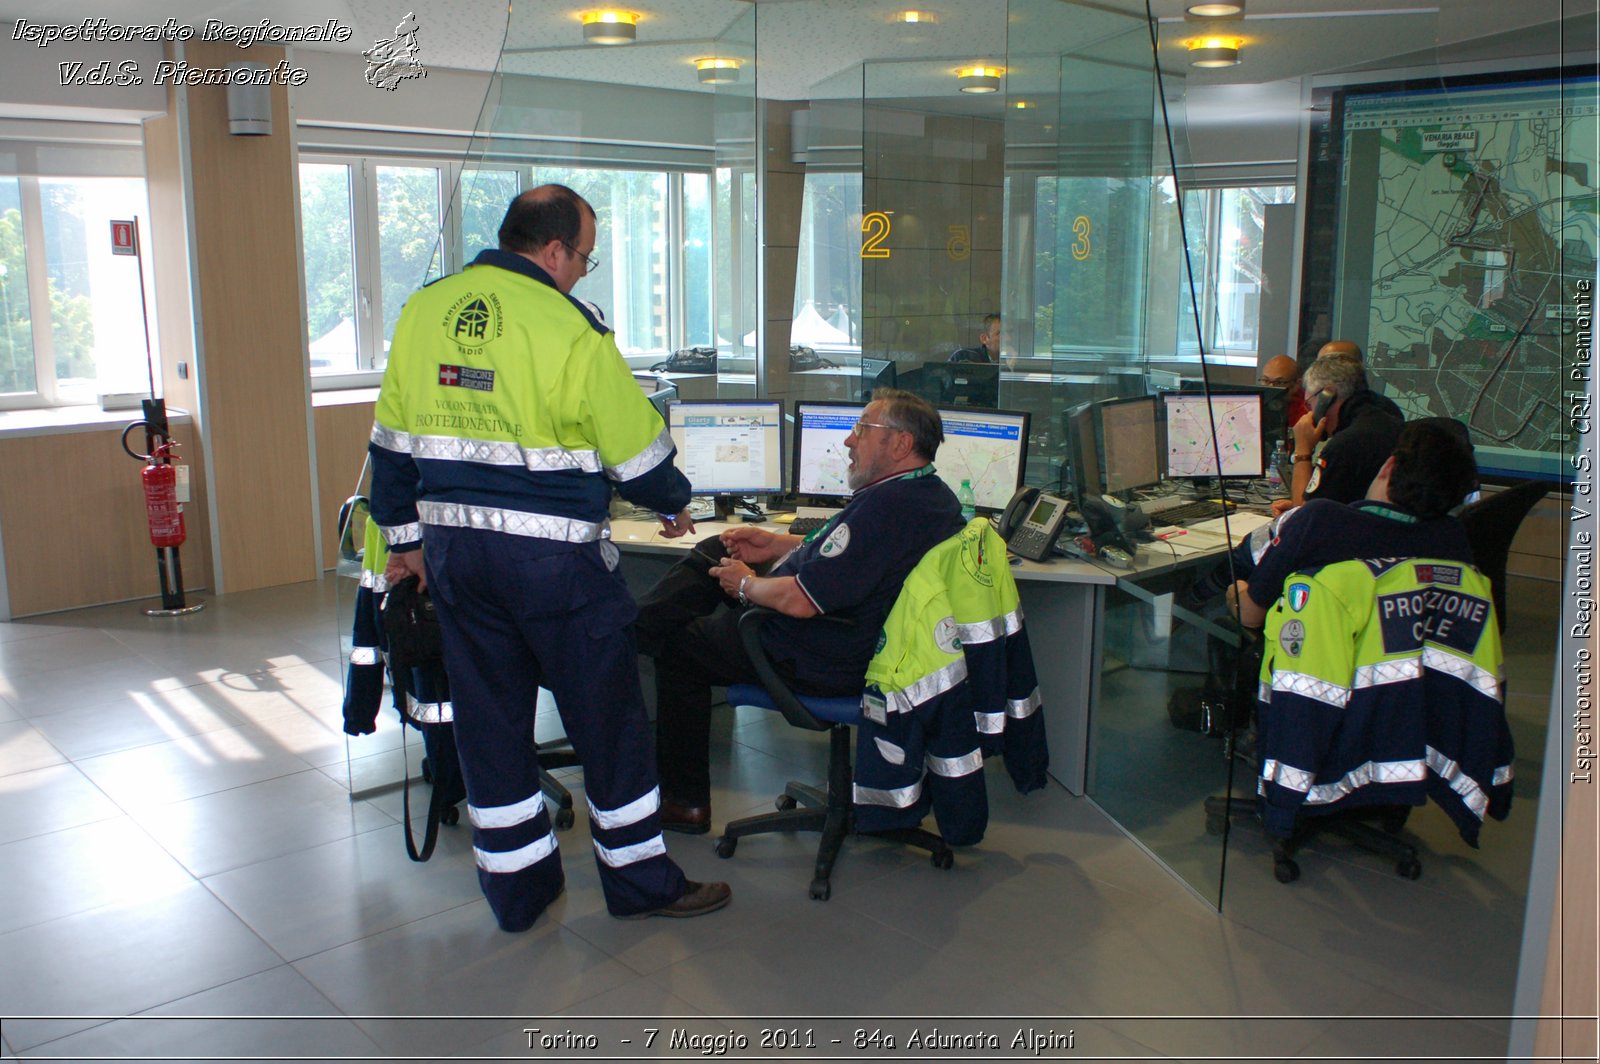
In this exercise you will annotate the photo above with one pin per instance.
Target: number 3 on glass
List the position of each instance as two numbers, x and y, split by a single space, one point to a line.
874 230
1081 246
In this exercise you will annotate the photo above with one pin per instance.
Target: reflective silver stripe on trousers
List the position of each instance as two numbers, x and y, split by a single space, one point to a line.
504 453
363 655
899 798
1482 680
511 522
990 723
627 855
516 860
631 813
391 439
653 455
1472 795
955 767
1299 683
930 686
889 751
1022 708
374 581
506 816
402 533
1287 776
429 712
1372 772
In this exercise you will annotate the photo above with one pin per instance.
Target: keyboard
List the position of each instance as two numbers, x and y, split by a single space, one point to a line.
804 526
1199 510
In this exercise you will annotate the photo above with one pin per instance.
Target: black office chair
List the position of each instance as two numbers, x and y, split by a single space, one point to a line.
1491 525
829 811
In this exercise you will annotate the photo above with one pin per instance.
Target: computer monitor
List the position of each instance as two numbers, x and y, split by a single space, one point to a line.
1191 449
1083 453
960 384
1130 457
729 447
663 397
989 448
876 373
1275 427
821 463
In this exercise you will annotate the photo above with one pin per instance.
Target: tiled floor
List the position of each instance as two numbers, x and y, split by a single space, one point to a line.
177 841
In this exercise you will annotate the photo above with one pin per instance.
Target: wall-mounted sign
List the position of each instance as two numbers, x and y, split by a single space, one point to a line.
123 241
874 231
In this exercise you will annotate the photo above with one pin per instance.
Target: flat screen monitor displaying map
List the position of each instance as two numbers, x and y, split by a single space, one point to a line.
820 461
1462 214
989 448
1192 450
1130 457
729 448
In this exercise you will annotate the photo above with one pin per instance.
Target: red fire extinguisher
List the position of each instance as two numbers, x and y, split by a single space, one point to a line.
161 499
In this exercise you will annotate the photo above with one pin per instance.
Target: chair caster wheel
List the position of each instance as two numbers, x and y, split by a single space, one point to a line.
785 802
943 859
726 846
564 819
821 889
452 816
1215 822
1286 870
1409 869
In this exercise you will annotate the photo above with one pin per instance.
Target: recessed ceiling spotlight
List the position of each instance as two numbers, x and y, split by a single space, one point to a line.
1214 51
979 78
717 71
1216 10
1024 105
610 27
916 18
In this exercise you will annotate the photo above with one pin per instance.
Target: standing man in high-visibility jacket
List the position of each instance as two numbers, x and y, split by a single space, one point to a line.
507 416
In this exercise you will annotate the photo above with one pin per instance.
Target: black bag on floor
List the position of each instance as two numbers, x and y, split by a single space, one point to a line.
1225 702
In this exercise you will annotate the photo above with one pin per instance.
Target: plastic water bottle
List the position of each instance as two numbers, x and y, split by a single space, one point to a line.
968 500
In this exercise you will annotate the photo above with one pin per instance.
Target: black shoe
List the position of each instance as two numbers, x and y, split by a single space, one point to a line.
697 900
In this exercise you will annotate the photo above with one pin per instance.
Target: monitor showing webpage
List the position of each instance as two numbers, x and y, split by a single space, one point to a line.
729 448
821 463
1191 450
988 448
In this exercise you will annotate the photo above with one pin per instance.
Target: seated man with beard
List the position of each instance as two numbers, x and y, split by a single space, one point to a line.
852 568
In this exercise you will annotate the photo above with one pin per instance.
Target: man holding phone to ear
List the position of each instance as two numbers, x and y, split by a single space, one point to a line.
1357 427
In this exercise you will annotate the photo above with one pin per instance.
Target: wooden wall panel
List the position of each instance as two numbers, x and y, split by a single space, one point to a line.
342 433
246 254
72 519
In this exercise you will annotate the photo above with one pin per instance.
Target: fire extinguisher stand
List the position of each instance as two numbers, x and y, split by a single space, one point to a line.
162 508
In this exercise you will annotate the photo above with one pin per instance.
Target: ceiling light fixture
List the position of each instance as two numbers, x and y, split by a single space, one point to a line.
714 71
979 78
1214 51
916 18
610 27
1024 105
1217 10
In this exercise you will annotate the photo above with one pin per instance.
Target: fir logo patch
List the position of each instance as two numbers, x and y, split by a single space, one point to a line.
946 636
1292 638
1297 596
472 321
479 380
837 543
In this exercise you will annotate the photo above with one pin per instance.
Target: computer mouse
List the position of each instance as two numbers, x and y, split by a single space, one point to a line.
752 519
1116 557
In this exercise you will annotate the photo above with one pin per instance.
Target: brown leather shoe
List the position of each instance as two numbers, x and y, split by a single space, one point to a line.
698 899
688 819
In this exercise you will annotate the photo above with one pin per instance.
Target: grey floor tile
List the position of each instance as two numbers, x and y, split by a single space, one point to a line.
136 718
66 649
64 690
1390 1025
77 869
190 766
364 885
50 799
285 815
178 1029
121 959
23 748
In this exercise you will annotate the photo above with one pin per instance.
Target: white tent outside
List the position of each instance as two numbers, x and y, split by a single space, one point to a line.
810 329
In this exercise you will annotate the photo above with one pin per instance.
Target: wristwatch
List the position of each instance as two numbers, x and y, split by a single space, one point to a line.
1302 458
744 600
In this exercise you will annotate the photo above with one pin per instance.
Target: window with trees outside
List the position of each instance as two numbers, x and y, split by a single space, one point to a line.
827 289
371 230
72 324
1224 229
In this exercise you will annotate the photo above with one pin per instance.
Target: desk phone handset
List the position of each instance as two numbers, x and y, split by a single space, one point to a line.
1032 522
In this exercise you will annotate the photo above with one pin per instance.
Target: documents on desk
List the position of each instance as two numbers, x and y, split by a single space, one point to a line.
1209 535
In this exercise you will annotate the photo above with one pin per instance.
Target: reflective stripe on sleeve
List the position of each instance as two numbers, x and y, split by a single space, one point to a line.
898 798
391 439
1386 672
518 859
990 723
506 816
622 856
1414 771
1298 683
1022 708
1502 776
889 751
504 453
977 632
955 767
511 522
631 813
374 581
653 455
402 533
1286 776
363 655
1449 771
928 687
1466 670
429 712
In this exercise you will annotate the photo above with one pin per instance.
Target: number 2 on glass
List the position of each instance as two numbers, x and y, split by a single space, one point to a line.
875 229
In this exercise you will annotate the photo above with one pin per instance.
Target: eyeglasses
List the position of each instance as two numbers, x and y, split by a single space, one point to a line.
1276 382
855 430
590 263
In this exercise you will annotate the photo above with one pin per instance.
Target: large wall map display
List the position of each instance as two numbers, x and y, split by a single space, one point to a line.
1467 217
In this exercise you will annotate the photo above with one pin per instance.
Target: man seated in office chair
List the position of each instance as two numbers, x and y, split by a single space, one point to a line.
852 568
1355 426
1406 514
988 349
